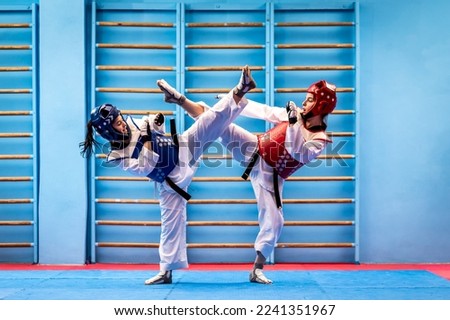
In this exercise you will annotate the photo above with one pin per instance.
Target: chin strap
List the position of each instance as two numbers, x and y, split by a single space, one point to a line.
118 145
314 123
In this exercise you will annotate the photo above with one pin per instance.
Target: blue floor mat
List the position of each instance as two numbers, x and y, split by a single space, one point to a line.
223 285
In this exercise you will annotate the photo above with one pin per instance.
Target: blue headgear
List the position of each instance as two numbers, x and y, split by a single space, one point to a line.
102 118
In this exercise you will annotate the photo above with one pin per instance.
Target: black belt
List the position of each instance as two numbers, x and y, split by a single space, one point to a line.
276 190
251 164
177 189
173 132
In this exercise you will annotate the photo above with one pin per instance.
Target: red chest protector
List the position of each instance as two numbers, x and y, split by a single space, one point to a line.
272 149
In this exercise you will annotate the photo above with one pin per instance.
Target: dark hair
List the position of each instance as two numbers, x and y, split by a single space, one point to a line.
87 146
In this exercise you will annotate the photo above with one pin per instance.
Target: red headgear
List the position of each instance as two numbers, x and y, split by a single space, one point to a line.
324 96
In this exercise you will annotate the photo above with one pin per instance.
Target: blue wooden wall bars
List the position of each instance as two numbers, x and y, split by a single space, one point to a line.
18 134
199 48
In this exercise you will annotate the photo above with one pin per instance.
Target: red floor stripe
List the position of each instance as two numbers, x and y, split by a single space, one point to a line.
442 270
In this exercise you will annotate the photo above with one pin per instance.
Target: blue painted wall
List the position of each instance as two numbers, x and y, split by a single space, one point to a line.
404 177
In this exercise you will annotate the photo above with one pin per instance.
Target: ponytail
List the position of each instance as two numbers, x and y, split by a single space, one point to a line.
87 146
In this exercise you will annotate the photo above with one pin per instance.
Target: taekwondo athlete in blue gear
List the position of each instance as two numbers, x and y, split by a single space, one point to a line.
140 147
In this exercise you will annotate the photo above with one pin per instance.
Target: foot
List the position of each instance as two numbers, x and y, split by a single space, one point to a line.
258 276
170 94
246 83
163 277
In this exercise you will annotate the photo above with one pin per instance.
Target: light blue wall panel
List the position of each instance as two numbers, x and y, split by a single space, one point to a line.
405 72
63 189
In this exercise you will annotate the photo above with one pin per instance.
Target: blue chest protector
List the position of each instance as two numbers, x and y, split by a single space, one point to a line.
168 155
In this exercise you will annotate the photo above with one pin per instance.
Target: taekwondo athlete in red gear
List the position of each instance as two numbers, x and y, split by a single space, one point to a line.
297 138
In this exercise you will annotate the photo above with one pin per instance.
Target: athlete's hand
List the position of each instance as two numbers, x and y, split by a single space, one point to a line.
291 110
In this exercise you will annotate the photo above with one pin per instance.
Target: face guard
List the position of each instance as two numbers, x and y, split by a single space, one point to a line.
102 118
325 98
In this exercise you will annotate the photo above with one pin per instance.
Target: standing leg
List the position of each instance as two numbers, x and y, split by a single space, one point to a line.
172 246
242 144
271 222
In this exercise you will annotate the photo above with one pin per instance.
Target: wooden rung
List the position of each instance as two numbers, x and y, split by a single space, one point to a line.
225 179
126 201
225 46
147 112
15 47
15 245
336 156
104 178
15 156
15 201
128 223
15 25
15 179
253 201
313 68
290 90
341 134
239 179
343 112
16 135
227 156
218 90
220 245
15 113
318 223
135 24
330 178
223 24
255 223
129 90
134 68
225 201
16 223
15 91
279 245
126 245
315 245
225 245
204 157
135 46
221 223
316 46
12 69
218 179
224 68
314 24
216 157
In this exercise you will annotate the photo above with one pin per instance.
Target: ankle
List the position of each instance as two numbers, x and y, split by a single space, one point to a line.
258 266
